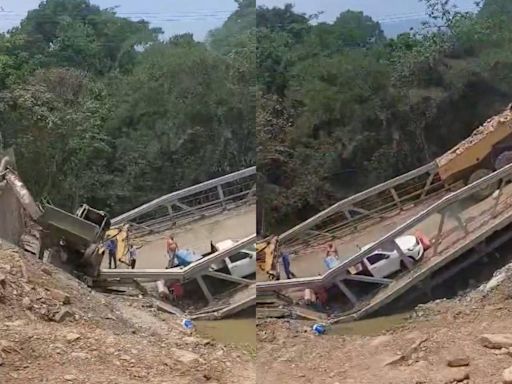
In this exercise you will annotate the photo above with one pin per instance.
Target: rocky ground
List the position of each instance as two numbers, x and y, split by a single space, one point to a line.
464 340
53 329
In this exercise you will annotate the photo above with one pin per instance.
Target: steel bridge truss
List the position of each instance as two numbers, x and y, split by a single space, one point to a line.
192 203
461 223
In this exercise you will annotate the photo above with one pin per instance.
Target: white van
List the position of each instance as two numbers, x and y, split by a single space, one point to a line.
241 264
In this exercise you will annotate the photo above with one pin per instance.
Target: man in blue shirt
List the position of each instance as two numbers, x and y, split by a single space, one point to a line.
285 257
111 249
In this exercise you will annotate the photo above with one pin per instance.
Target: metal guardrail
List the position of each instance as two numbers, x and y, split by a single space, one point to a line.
191 271
372 204
194 202
340 271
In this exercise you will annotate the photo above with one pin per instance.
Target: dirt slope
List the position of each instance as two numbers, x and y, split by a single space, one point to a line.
53 329
414 353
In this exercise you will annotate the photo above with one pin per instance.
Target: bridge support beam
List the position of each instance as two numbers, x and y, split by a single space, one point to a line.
347 292
234 279
427 185
438 234
462 225
221 196
500 192
396 198
204 288
368 279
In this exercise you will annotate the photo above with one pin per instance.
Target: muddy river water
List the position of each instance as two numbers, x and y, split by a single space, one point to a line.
369 327
236 331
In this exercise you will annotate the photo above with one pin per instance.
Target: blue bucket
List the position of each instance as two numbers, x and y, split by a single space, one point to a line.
319 329
187 324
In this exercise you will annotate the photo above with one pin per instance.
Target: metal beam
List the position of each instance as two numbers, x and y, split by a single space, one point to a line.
368 279
205 289
172 197
396 198
348 202
440 205
347 292
234 279
427 185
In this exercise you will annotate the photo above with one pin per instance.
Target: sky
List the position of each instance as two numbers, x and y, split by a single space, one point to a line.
395 16
200 16
173 16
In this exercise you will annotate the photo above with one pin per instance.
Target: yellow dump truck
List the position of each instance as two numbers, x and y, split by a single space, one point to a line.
487 149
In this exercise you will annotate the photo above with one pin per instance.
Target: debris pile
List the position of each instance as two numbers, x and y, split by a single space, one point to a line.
55 329
467 339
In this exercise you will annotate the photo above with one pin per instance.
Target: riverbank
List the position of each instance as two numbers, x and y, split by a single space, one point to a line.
419 348
53 329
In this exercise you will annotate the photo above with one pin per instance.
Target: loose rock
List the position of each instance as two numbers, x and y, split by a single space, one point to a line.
60 296
70 337
63 315
507 376
458 361
26 303
496 341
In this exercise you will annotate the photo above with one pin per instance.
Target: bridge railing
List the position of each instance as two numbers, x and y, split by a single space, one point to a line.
455 225
192 203
365 208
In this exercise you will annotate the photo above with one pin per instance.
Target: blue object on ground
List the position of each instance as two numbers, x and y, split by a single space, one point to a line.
319 329
187 324
185 257
331 262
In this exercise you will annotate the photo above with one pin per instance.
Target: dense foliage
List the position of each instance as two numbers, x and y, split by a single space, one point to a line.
100 110
343 107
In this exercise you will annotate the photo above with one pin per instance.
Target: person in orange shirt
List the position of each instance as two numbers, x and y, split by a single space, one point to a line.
172 247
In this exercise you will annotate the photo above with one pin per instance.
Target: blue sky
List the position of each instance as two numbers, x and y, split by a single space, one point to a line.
200 16
174 16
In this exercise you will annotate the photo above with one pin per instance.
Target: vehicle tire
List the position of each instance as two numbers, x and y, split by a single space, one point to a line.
503 160
486 191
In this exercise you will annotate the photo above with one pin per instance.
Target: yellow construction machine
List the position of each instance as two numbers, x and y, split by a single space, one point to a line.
267 257
488 149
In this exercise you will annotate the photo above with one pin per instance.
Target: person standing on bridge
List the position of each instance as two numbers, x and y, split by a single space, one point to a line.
112 250
132 256
332 257
172 248
285 258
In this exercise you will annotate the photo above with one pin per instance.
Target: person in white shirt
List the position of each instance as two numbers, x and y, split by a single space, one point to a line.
132 256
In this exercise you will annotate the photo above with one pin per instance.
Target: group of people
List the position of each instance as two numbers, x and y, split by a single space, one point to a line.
111 247
331 259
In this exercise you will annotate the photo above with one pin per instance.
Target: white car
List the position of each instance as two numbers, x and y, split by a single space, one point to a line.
241 264
383 263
